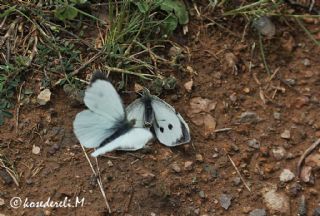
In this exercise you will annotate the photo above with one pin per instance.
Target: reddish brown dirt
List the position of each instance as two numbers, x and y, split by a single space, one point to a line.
143 182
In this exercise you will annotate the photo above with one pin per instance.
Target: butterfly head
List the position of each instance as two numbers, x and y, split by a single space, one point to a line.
145 92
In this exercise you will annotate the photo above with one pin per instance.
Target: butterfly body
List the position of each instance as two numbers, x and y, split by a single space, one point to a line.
167 124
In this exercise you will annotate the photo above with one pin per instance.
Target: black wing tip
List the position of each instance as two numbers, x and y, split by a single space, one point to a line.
98 75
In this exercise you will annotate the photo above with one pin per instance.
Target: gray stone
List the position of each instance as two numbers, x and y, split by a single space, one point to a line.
225 201
276 201
202 194
176 167
286 175
249 117
5 177
236 181
253 143
258 212
316 212
278 153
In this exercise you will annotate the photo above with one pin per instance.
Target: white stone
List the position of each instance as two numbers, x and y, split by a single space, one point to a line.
277 201
35 149
44 97
286 175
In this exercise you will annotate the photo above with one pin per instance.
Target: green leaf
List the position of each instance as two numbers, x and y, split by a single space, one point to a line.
4 114
142 6
179 9
79 1
8 11
170 24
66 12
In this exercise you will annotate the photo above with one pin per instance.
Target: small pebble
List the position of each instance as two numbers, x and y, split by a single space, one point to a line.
290 82
246 90
276 115
110 164
199 158
44 97
306 62
54 148
295 189
286 175
277 201
188 85
253 143
176 167
202 194
265 26
306 175
188 165
286 134
215 155
225 201
278 153
236 181
249 117
258 212
35 149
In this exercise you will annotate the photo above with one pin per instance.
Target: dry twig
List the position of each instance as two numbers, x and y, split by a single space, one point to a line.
242 179
305 154
98 180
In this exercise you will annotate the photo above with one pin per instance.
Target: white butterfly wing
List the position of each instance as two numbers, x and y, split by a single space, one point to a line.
169 126
134 139
136 111
102 98
91 128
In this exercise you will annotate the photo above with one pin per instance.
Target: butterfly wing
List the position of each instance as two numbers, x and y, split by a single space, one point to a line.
102 98
136 111
169 126
134 139
91 129
93 126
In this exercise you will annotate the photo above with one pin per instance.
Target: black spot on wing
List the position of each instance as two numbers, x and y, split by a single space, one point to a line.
98 75
185 134
161 129
170 126
100 94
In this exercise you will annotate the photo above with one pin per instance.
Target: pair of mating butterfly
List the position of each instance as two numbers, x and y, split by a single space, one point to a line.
107 126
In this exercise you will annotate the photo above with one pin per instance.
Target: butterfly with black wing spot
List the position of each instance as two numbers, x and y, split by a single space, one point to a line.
152 112
104 125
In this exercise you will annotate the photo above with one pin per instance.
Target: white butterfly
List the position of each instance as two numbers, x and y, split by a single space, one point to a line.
105 125
168 125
